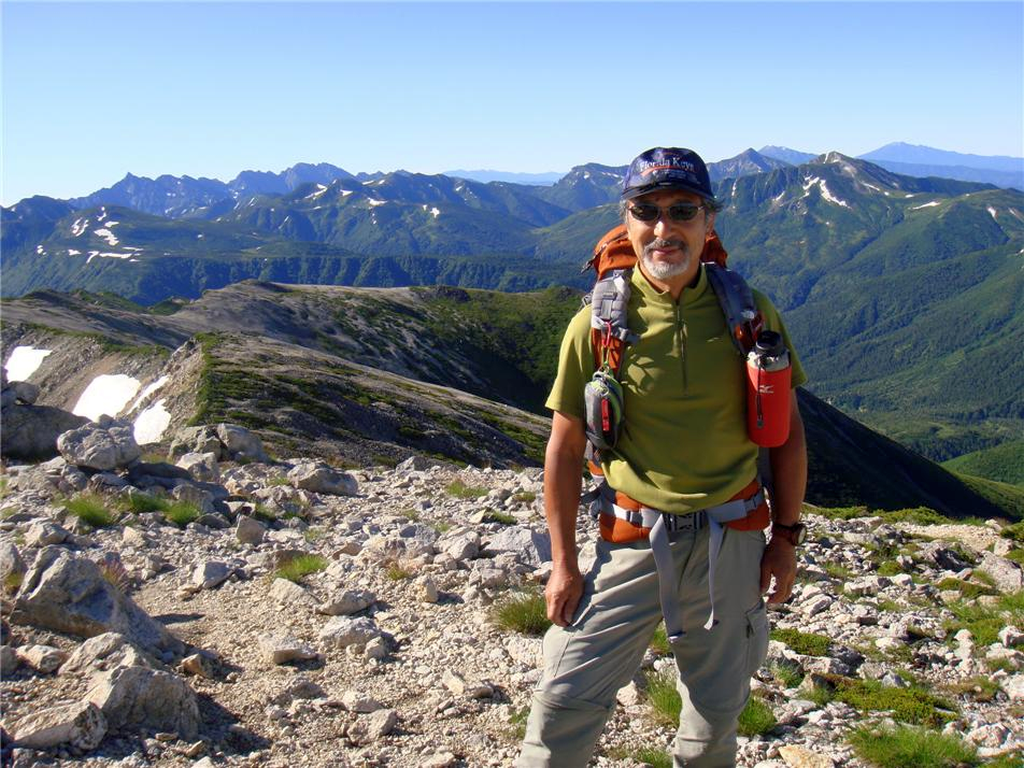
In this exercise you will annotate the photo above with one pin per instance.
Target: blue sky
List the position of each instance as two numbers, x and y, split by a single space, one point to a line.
92 91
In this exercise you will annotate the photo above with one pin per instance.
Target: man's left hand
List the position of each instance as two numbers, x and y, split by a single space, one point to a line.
779 560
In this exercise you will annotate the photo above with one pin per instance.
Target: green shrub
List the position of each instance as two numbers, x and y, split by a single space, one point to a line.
525 497
460 490
984 622
913 704
968 589
517 719
91 509
756 718
663 697
1014 532
979 688
525 613
807 643
142 503
395 572
181 513
906 747
301 566
504 518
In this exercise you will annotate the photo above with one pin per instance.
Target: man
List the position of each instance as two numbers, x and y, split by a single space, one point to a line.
683 452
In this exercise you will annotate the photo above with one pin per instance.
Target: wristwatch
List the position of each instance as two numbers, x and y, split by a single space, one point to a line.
795 534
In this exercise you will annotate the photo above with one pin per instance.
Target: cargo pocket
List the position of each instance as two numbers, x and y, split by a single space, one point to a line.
757 637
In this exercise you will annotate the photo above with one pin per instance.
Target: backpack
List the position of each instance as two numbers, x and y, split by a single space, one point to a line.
614 260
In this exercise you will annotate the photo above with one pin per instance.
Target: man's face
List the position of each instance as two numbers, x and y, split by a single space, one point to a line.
669 250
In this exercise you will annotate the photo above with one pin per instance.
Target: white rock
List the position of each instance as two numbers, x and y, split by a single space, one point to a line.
1011 637
42 658
210 574
1014 687
347 602
343 631
81 725
289 593
279 648
376 725
202 466
249 530
992 735
427 589
354 701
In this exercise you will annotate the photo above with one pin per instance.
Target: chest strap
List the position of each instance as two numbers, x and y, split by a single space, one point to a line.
655 526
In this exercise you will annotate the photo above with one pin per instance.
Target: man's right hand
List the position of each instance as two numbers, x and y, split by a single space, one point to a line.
563 593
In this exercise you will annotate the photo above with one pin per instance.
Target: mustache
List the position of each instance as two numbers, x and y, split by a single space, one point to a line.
659 243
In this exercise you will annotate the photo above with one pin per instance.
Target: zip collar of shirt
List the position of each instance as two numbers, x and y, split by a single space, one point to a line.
687 297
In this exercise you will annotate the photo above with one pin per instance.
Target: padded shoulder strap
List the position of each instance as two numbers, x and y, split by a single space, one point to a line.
738 306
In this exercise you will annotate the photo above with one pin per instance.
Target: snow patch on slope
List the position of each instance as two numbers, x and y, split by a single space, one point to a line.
152 423
106 394
24 361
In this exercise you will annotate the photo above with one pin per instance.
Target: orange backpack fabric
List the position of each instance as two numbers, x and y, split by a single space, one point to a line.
614 251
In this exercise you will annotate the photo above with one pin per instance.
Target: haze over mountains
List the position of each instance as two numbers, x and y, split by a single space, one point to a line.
894 286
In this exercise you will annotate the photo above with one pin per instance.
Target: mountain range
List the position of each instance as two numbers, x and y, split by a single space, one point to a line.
893 286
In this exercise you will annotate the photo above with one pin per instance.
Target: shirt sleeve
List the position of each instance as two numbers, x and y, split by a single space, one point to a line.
575 367
774 322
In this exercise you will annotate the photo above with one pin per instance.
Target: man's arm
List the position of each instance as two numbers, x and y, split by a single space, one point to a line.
563 466
789 483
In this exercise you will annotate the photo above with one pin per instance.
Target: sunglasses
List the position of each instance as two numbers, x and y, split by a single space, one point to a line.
647 212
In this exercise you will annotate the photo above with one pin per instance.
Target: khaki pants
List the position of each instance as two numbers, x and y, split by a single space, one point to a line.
588 661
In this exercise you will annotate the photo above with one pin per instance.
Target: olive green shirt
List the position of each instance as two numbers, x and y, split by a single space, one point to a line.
684 444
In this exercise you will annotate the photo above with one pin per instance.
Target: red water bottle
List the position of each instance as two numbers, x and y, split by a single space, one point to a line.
768 377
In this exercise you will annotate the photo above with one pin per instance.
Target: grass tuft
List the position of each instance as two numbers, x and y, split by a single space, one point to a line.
757 718
395 572
913 704
650 756
659 642
180 513
907 747
525 613
460 490
142 503
301 566
91 509
786 673
663 697
504 518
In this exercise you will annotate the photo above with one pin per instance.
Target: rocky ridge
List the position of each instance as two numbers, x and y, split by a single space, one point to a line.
145 642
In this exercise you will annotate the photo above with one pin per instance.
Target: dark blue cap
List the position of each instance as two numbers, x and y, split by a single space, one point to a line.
667 168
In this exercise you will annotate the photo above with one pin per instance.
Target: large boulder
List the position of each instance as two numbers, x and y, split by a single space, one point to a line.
319 477
69 594
104 446
240 443
202 439
30 432
139 697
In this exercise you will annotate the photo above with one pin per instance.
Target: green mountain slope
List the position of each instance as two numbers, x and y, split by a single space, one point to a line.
1002 463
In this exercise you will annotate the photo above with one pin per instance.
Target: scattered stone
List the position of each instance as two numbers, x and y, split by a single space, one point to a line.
43 534
347 602
202 466
81 725
42 658
282 648
289 593
30 432
343 631
104 652
371 727
1011 637
354 701
196 665
319 477
427 589
12 566
249 530
1006 574
240 443
210 574
801 757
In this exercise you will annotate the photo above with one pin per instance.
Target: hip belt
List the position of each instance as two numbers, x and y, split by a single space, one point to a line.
623 519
